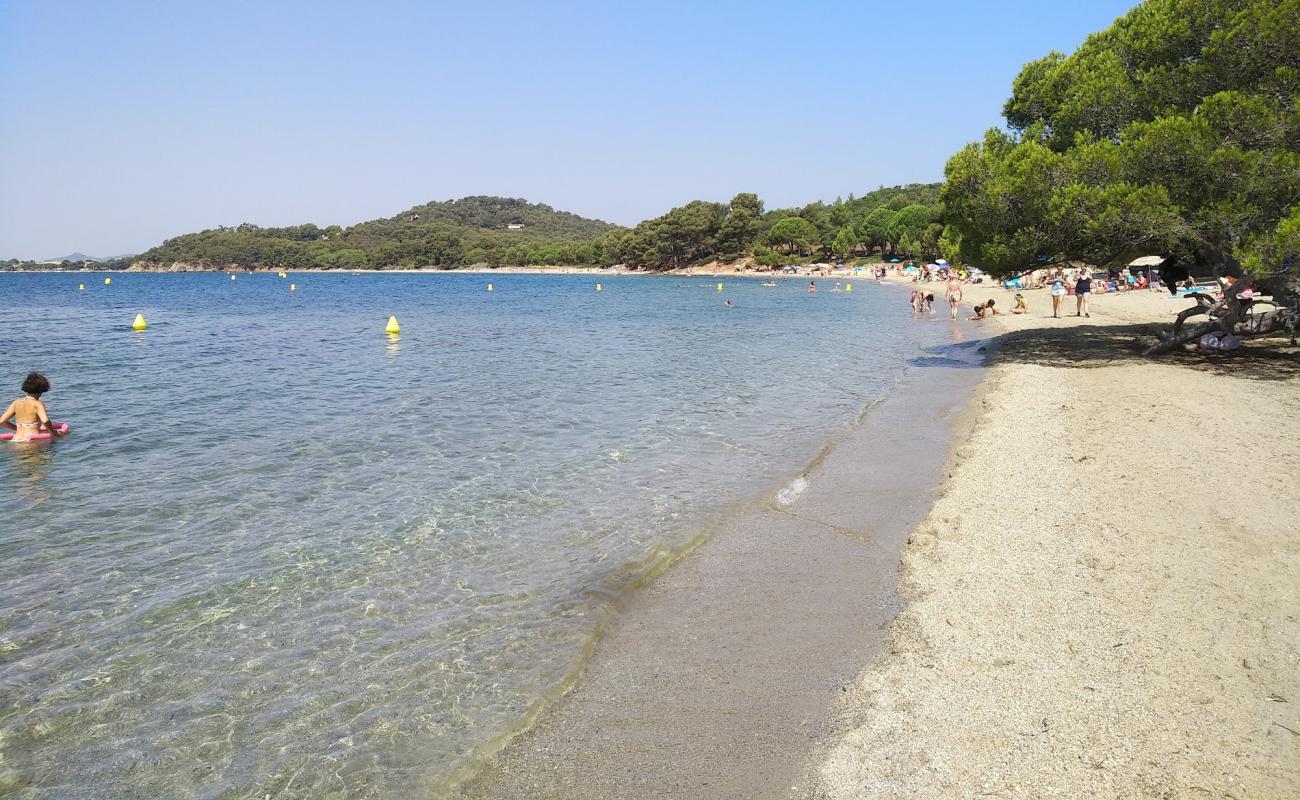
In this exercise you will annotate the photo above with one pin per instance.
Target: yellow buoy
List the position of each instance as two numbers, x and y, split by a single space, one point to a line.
600 288
293 287
719 287
81 287
393 327
489 287
848 287
108 281
139 323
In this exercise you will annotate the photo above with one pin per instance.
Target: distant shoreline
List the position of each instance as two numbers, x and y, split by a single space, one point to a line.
698 272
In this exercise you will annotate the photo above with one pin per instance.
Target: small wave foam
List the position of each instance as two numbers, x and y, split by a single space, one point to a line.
790 493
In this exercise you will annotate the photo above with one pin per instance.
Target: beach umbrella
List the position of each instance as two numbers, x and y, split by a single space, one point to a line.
1146 261
942 263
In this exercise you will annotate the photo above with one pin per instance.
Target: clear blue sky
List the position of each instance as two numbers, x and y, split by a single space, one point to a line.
123 123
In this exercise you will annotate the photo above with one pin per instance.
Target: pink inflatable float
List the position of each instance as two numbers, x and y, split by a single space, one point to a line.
61 427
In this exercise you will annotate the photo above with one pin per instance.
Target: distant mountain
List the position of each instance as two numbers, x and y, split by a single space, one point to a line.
472 230
84 257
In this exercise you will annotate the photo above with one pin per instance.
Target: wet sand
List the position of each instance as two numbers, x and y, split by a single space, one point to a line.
721 677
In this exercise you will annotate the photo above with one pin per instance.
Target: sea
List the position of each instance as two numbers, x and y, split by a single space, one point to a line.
285 554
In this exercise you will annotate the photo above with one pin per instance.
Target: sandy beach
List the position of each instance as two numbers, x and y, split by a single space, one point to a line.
1105 600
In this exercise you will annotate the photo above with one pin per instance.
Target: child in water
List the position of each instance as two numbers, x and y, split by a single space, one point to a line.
26 416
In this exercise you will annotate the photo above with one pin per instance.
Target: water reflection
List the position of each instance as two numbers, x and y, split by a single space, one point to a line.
29 466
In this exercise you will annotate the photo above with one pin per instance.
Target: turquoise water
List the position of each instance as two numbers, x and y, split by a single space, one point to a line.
282 554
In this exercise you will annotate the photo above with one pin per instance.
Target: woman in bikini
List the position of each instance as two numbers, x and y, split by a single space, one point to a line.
953 294
26 416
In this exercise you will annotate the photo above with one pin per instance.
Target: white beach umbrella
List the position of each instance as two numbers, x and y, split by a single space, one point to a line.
1146 261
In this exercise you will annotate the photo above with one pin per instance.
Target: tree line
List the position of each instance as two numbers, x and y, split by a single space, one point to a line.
1176 131
490 231
906 221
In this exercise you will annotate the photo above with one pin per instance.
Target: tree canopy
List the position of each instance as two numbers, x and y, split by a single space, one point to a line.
1176 130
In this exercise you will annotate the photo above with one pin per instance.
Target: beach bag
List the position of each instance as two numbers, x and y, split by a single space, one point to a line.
1217 340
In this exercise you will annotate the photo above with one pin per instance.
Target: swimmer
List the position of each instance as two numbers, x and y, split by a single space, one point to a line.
837 287
812 287
26 416
727 303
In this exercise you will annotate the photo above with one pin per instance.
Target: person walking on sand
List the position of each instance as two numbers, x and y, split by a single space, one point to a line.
1058 291
953 294
1082 288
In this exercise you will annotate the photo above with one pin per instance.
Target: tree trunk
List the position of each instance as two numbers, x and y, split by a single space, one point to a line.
1230 315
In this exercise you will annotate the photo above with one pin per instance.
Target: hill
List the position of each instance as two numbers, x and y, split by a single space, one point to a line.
906 221
79 258
471 230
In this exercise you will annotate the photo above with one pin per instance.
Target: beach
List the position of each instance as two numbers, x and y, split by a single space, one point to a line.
1078 614
1105 600
334 610
720 677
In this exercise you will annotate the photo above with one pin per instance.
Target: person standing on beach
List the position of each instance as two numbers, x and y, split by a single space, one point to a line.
1057 290
1082 288
954 294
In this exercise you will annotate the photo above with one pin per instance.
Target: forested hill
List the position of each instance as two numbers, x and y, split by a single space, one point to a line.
494 231
489 230
492 213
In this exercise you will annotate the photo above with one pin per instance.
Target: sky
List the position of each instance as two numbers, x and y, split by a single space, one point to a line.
125 123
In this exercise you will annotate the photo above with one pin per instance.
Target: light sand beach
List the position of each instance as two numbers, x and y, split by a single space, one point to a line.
1105 600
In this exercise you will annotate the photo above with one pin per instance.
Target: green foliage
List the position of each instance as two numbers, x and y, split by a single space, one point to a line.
484 231
796 234
740 227
1277 251
1175 130
472 230
909 223
846 241
875 227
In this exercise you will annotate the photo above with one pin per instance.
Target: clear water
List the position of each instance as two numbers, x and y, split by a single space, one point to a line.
284 555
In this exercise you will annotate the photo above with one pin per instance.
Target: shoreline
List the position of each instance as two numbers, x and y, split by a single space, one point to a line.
719 677
620 271
1089 614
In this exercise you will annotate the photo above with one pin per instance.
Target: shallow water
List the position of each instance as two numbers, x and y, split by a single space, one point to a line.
284 554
